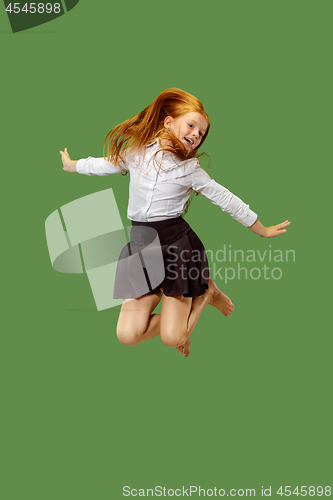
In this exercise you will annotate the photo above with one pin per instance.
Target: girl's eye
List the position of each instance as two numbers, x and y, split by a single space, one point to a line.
190 125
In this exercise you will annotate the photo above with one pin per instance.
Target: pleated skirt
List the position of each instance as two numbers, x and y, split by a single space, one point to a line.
164 255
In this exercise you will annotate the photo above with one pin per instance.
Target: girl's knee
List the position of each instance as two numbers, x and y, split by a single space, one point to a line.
173 337
128 336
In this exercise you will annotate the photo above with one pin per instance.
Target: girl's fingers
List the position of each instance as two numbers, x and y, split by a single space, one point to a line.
284 224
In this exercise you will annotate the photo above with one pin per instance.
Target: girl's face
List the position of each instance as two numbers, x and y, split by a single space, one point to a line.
189 128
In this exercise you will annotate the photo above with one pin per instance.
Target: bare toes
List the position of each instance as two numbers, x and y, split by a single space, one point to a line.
187 348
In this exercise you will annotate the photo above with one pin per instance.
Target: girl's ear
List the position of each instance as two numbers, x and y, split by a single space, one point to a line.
167 122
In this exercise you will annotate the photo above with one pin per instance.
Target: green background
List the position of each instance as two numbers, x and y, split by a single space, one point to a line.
84 415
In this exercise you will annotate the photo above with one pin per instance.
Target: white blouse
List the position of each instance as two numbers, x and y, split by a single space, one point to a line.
161 185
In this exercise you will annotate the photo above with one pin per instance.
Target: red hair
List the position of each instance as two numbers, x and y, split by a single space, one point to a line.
147 126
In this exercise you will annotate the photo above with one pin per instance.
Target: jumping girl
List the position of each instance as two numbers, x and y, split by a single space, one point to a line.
159 147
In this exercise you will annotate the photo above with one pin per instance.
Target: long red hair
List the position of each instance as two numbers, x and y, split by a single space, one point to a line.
147 126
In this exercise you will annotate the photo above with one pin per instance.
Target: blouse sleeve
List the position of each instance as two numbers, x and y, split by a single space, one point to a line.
98 166
219 195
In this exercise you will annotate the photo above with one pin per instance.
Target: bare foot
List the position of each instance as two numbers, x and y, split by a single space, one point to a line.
186 348
219 299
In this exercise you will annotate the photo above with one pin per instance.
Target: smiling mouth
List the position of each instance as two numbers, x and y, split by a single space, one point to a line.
189 141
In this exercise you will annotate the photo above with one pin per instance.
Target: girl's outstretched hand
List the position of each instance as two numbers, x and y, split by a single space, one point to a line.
276 230
269 232
68 164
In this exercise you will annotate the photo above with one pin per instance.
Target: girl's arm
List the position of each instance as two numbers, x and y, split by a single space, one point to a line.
221 196
90 165
269 232
234 206
68 164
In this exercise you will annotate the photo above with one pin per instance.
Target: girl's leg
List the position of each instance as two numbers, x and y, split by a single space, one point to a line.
178 318
136 322
179 315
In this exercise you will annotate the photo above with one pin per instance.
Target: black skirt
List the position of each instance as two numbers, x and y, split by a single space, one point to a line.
165 254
